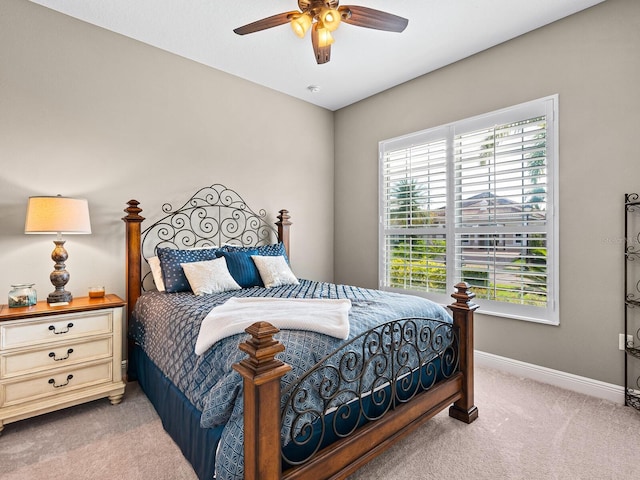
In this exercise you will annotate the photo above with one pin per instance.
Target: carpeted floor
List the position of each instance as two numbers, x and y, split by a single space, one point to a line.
526 430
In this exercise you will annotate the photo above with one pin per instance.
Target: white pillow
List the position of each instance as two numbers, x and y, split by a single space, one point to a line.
274 271
156 272
211 276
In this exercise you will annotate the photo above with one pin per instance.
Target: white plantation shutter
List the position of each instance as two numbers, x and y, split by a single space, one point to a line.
414 195
474 201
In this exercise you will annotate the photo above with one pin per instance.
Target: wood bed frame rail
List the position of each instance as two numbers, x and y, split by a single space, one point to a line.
262 374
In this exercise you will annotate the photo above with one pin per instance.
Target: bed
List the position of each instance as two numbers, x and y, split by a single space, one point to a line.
314 399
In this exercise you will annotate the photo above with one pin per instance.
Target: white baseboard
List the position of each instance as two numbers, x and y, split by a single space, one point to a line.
569 381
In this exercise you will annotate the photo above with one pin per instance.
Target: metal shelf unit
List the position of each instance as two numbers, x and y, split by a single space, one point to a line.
632 299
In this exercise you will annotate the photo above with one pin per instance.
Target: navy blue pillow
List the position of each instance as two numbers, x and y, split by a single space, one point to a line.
241 266
272 250
172 273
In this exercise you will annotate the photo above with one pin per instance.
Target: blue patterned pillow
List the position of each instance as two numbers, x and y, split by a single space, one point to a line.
172 273
241 266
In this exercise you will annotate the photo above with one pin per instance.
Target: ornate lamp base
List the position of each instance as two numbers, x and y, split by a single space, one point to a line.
59 277
59 296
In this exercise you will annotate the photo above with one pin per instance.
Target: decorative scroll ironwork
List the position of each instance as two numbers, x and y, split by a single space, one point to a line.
632 399
363 380
632 299
213 216
635 352
632 248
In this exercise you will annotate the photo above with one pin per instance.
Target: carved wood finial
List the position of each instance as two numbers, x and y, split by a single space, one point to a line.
133 212
261 348
284 217
463 296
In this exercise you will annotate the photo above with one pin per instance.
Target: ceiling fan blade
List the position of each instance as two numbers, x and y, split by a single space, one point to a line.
269 22
323 54
371 18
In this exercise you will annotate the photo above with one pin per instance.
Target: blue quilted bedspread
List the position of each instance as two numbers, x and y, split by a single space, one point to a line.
166 326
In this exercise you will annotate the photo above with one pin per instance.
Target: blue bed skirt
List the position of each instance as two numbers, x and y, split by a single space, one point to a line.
179 417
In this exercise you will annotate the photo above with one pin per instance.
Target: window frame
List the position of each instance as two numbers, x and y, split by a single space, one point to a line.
549 107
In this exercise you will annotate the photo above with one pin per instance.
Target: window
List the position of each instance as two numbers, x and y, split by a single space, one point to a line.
475 201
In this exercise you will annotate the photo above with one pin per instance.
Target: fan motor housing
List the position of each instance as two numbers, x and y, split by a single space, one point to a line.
307 5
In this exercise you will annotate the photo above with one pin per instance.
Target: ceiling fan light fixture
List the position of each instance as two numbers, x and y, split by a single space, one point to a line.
330 18
323 17
324 36
300 24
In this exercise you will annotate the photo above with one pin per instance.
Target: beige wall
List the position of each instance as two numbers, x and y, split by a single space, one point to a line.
89 113
592 60
86 112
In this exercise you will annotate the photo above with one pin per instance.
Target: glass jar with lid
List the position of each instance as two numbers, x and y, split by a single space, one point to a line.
22 295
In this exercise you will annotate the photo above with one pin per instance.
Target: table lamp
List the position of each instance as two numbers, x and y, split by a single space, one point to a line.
59 215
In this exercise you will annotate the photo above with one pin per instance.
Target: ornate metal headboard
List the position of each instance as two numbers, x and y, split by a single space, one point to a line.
213 216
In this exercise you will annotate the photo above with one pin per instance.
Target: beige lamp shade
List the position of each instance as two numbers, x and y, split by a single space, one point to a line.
57 215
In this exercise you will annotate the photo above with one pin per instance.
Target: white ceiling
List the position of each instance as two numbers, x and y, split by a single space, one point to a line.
363 61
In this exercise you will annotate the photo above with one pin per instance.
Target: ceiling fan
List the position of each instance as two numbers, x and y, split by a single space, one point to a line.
323 17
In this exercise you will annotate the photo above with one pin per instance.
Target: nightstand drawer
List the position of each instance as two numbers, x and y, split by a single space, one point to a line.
59 328
61 381
54 356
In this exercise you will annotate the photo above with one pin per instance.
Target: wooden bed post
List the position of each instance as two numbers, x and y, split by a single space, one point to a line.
283 224
133 254
464 409
262 374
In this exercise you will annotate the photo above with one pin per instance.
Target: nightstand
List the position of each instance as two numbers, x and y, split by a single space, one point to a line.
53 357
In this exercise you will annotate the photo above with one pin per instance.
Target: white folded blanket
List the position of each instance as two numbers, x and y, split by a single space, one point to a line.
328 316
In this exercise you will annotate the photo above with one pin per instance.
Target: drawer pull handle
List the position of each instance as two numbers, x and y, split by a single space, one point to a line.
53 355
53 382
53 328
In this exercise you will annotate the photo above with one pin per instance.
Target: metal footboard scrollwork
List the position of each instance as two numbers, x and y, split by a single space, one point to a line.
212 217
363 380
268 415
